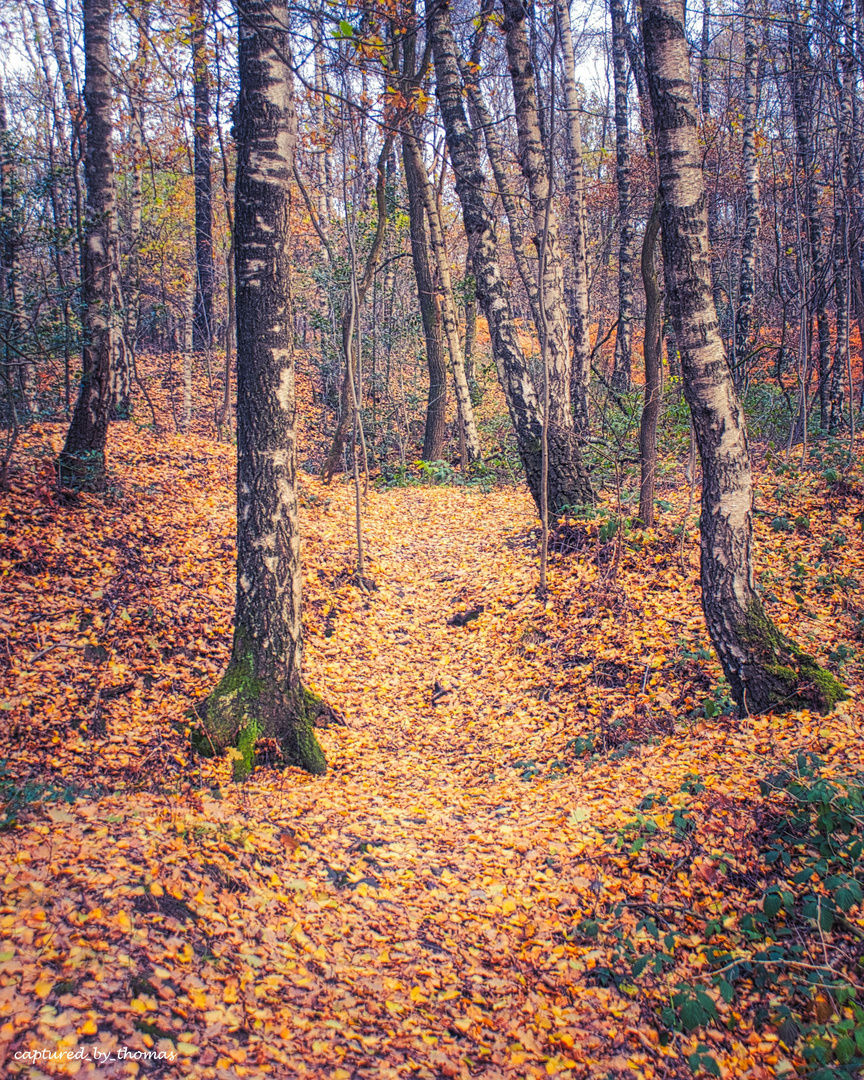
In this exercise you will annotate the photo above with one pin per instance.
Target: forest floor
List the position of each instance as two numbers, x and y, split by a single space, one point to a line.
465 893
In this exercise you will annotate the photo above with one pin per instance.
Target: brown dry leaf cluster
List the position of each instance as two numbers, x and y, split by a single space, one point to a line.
442 903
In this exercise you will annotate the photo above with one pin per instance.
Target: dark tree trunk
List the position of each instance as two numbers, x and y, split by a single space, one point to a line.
747 278
202 326
81 464
765 669
626 237
653 373
436 408
803 82
568 479
261 694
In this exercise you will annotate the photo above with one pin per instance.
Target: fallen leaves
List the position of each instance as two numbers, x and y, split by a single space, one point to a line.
433 906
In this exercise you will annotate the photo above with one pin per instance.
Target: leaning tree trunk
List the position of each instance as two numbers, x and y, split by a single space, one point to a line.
205 276
747 277
626 237
580 328
553 327
81 464
569 484
764 668
261 694
436 407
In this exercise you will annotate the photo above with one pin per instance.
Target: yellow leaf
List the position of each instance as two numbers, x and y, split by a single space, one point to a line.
509 905
138 1006
463 1023
43 988
187 1049
88 1027
123 921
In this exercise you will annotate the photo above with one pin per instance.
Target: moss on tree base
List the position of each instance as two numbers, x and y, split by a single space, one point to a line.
779 675
244 708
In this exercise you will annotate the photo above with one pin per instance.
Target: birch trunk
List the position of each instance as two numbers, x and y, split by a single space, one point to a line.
261 694
449 317
842 202
579 314
803 84
205 275
765 669
532 160
652 352
81 464
482 120
436 407
568 479
626 240
752 217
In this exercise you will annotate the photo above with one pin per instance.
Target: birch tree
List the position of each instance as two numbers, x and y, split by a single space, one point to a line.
261 693
765 669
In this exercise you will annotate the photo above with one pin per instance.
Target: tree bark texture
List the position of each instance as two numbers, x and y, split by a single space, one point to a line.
436 407
569 484
205 276
843 196
652 352
533 162
449 316
81 464
626 234
752 217
580 325
803 82
765 670
261 694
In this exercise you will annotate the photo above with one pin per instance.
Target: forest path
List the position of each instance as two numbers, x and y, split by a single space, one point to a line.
449 900
428 825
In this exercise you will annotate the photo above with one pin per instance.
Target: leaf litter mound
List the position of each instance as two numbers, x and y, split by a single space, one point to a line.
540 816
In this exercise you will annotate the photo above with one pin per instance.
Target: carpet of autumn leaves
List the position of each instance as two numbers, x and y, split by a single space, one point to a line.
440 904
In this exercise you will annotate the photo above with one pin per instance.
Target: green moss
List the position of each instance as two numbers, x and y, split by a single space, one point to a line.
791 679
244 708
244 763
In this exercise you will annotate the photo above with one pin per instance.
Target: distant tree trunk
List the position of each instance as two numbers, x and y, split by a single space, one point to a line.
203 327
764 668
626 242
261 694
76 119
533 161
320 111
20 371
449 317
752 220
843 193
636 56
346 408
568 479
482 120
652 351
81 464
470 323
436 408
580 321
132 309
803 84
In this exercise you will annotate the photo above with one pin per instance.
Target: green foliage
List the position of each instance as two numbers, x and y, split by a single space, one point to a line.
19 796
